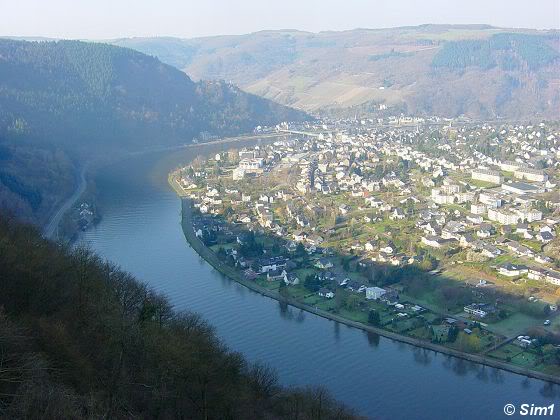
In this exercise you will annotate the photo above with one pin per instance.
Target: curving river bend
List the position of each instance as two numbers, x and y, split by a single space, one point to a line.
381 378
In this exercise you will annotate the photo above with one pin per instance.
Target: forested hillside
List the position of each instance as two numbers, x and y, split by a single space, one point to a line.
507 51
33 179
64 102
89 95
449 70
81 339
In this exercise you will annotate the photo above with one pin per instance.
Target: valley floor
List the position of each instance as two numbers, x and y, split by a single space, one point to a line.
502 355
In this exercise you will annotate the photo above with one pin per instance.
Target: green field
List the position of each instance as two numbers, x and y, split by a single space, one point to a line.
515 324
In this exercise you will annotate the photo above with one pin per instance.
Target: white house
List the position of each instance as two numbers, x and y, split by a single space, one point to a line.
324 292
511 270
374 292
476 310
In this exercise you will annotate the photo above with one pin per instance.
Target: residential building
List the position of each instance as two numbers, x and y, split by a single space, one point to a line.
504 217
530 174
476 310
374 293
487 175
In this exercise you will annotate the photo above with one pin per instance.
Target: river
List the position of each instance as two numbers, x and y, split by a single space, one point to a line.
379 377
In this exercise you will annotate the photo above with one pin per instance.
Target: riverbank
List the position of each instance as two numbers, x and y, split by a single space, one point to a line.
90 167
50 231
140 231
230 272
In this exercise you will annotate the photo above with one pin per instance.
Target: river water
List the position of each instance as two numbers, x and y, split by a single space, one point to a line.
379 377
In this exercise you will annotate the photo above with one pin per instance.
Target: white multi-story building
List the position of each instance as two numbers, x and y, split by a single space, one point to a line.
510 166
446 194
464 197
553 277
529 215
513 216
530 174
449 189
443 199
254 164
478 208
486 175
503 216
491 200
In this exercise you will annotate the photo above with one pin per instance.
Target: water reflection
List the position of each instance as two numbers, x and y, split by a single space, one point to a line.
285 311
464 367
498 375
373 338
550 391
422 356
482 374
336 331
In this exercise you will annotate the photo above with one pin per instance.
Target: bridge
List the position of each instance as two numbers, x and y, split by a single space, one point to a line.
301 133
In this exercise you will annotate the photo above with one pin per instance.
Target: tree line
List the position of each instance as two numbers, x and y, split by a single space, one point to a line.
81 338
509 51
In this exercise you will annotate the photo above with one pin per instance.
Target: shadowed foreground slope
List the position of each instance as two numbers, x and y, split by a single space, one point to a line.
82 339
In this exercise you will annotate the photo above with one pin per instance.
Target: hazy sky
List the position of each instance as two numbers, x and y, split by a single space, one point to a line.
190 18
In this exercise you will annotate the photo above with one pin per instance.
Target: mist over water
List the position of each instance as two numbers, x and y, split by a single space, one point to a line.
141 231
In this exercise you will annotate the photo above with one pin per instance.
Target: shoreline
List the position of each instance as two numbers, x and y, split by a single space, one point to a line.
233 274
53 221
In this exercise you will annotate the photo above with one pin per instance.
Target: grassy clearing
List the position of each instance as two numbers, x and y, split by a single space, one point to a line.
515 324
532 245
525 359
506 352
481 184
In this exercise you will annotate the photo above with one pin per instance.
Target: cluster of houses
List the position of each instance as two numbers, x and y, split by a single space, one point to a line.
85 215
387 173
479 310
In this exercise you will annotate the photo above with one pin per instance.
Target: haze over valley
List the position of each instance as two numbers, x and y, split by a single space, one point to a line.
478 71
62 103
315 210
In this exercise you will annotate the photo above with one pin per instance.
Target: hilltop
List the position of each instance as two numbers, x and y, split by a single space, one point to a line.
449 70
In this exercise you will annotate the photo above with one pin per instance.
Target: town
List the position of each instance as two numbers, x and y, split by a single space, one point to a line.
442 231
